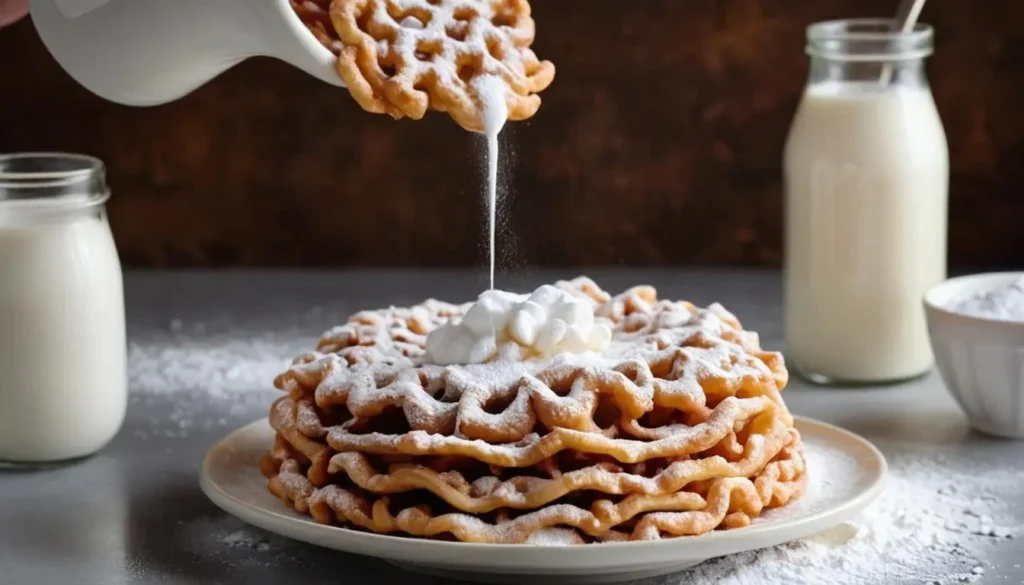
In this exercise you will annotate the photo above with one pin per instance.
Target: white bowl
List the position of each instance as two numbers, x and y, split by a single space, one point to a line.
981 360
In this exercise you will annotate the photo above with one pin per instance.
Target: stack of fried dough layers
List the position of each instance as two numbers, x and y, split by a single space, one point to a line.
678 428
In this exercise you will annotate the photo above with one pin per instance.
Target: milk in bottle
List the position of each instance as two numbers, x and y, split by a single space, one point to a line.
866 172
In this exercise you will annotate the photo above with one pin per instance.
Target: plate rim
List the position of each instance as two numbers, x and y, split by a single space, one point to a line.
713 544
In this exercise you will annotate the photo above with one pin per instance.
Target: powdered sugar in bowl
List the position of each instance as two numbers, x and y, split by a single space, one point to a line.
976 326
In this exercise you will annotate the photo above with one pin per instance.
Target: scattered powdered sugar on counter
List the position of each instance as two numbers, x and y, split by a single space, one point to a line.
186 369
1005 303
926 528
221 366
228 540
244 538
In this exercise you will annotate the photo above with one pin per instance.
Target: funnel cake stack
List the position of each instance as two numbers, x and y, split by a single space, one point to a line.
678 428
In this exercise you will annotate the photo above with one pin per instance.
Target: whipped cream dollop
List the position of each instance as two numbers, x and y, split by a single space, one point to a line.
505 325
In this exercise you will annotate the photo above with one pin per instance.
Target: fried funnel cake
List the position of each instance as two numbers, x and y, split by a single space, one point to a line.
404 57
678 428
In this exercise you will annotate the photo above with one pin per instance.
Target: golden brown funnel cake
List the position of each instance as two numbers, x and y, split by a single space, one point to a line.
404 57
678 428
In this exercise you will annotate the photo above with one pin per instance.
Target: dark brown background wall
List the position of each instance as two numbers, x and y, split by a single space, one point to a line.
659 143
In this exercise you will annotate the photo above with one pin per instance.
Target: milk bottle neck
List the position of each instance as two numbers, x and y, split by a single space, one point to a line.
874 51
48 187
910 73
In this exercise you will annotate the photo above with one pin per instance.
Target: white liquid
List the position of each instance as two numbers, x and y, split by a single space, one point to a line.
491 91
866 174
63 372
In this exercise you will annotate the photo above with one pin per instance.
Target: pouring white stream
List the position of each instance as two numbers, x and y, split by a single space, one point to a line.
491 91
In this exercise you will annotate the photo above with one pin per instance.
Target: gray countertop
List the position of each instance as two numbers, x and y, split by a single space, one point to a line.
203 349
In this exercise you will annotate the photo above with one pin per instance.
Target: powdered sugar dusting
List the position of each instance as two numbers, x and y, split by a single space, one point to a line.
246 539
831 475
375 349
930 525
189 366
553 537
1005 303
221 366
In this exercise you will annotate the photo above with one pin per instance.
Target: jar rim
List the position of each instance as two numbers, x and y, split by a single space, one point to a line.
868 39
50 183
866 29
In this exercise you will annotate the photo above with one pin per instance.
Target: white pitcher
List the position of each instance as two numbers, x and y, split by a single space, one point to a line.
150 52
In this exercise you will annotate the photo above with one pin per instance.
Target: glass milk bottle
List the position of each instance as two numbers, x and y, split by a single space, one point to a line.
866 173
63 355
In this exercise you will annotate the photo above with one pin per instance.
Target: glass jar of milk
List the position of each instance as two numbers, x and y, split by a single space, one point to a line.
866 176
63 373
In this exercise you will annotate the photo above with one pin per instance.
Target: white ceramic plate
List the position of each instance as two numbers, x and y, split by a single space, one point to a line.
230 477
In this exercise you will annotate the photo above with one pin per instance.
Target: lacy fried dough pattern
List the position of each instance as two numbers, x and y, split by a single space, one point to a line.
730 502
678 428
403 57
528 492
